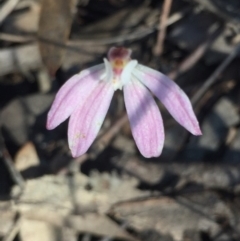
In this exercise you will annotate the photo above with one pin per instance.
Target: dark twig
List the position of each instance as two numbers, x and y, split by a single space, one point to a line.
105 139
16 38
162 25
10 236
196 55
15 174
214 76
76 45
101 143
7 8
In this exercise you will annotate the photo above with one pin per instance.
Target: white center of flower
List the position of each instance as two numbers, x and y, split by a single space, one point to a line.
120 78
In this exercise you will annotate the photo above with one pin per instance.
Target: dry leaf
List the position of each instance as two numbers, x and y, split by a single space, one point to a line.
56 193
26 157
174 216
7 217
25 22
54 28
99 225
33 230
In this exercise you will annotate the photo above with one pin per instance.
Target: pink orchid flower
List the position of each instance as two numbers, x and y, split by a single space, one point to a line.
86 97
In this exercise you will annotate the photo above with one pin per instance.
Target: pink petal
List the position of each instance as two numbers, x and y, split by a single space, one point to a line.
86 121
171 95
145 119
72 93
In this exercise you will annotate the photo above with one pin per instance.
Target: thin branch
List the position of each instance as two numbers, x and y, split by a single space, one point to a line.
16 38
101 143
162 25
10 236
196 55
105 139
15 174
213 78
7 8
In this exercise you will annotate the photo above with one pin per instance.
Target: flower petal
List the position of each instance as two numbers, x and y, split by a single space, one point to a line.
85 122
171 95
109 71
145 119
72 93
127 71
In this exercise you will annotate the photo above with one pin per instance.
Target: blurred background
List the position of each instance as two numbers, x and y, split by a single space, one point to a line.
190 193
